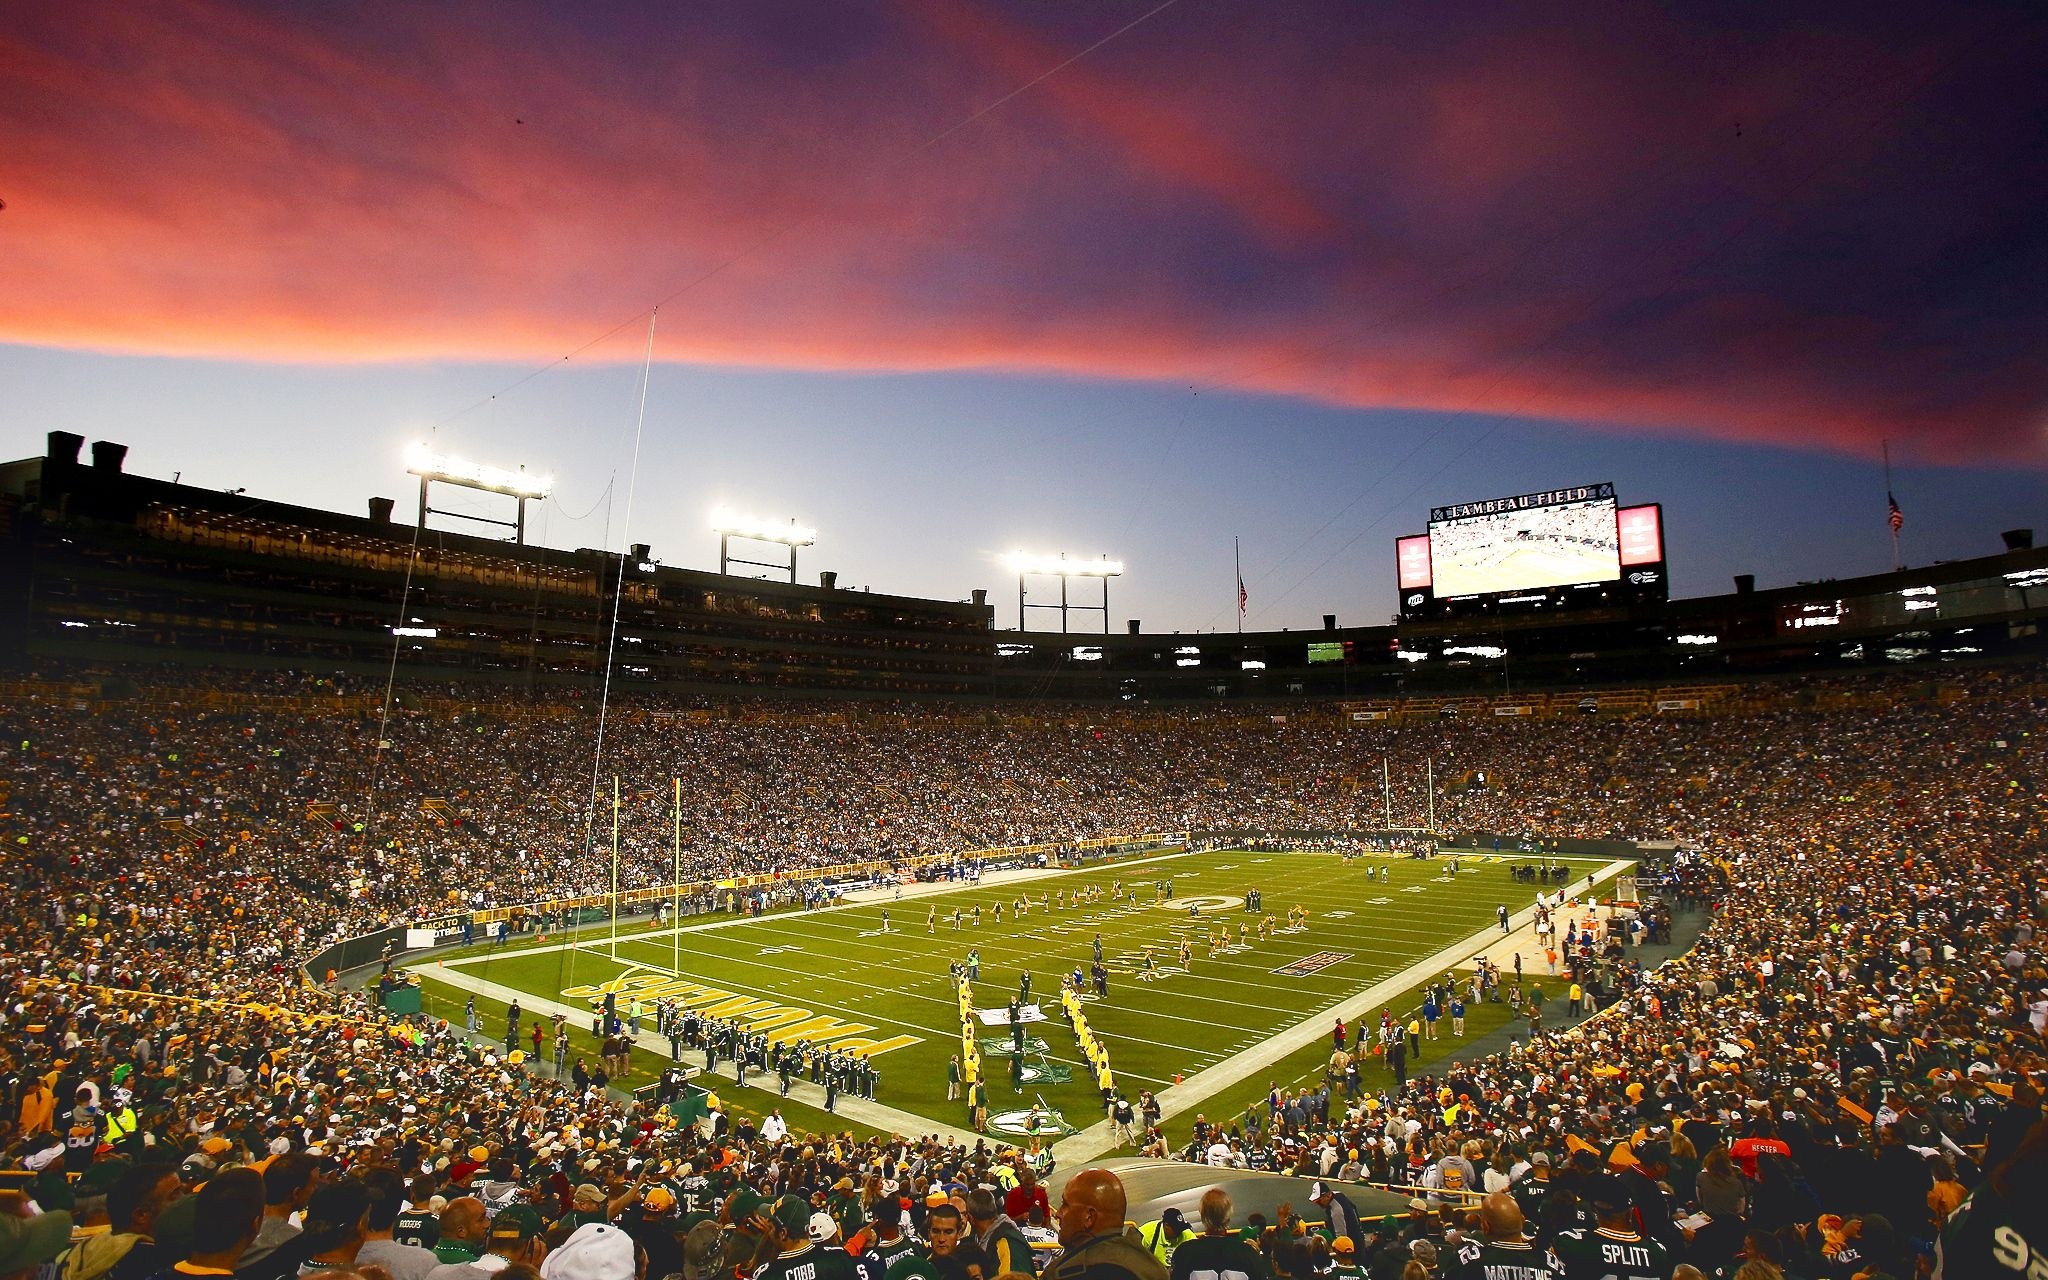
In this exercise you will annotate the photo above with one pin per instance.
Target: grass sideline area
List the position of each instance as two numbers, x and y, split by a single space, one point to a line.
838 965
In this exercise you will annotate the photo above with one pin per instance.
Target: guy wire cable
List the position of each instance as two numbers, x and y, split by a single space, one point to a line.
618 597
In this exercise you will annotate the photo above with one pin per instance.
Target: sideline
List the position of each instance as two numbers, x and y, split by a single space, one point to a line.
875 1115
1097 1139
847 902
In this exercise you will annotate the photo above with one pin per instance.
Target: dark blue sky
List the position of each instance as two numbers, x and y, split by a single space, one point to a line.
918 483
938 276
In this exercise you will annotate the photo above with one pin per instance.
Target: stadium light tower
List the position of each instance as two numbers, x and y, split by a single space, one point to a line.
730 524
432 467
1031 565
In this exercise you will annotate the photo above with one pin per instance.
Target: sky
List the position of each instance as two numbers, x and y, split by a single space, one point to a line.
947 279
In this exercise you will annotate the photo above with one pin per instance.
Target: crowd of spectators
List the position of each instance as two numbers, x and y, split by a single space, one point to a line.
1854 1045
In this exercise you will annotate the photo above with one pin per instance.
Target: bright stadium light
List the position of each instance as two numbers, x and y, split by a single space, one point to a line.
732 524
439 468
1031 564
1060 567
429 465
729 524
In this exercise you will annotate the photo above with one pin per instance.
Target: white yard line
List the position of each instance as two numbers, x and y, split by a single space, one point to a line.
875 1115
1263 1050
858 898
1095 1140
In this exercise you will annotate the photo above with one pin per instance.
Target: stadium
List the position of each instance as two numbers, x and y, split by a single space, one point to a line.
756 643
1407 944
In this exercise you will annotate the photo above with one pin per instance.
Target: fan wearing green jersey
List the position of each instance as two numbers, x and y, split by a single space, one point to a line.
1614 1250
797 1258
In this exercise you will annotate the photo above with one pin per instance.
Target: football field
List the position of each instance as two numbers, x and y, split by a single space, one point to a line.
836 976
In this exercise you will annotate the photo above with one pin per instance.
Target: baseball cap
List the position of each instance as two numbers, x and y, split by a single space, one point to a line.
793 1215
1316 1190
1607 1192
700 1251
595 1252
518 1223
589 1193
1418 1204
745 1203
99 1177
1342 1244
822 1228
660 1199
1541 1157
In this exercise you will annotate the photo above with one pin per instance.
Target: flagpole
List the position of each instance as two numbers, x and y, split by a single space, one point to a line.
1238 560
1892 505
1387 792
675 911
615 868
1429 776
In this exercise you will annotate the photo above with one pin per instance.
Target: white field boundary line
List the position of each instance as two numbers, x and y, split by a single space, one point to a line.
1008 945
598 934
875 1115
1012 944
585 937
629 963
1096 1139
869 988
1010 948
740 988
647 943
1204 973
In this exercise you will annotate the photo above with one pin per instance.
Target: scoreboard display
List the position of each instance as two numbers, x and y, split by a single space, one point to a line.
1554 548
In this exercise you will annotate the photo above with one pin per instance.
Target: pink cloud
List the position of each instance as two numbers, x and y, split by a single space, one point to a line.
1531 220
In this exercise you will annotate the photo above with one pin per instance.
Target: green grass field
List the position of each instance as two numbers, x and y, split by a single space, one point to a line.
892 989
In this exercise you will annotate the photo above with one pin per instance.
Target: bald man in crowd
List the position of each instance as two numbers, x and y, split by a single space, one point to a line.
1503 1250
1093 1243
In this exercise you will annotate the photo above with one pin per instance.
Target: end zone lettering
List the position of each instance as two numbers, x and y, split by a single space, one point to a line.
1316 963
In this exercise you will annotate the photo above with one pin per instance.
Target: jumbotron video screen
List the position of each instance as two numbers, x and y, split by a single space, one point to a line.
1532 546
1524 547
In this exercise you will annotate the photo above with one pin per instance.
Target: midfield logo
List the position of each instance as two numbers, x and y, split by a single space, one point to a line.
1316 963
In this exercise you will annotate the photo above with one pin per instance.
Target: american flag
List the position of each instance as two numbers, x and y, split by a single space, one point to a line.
1898 517
1242 598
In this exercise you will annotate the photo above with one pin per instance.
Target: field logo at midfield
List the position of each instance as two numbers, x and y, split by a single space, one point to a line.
1019 1123
1316 963
1201 901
